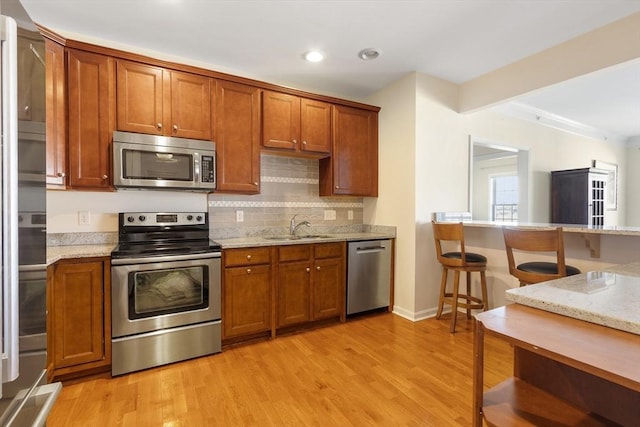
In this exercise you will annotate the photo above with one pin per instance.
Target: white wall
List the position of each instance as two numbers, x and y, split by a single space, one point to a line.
439 154
103 207
632 195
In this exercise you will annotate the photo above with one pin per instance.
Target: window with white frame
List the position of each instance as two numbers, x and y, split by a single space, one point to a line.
504 198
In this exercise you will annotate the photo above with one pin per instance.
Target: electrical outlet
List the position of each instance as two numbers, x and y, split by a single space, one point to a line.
350 215
239 216
84 218
329 214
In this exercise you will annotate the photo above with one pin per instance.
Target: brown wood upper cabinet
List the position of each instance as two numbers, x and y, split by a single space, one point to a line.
236 132
295 124
352 168
91 87
158 101
56 112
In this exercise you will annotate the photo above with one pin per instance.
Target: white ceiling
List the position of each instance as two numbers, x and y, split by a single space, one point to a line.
453 40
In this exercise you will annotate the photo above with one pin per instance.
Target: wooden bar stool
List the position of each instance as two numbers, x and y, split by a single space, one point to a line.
458 261
522 241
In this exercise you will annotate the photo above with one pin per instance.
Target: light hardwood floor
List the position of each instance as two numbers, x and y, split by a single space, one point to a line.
380 370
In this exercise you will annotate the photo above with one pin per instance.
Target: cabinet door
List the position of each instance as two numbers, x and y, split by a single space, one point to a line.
315 126
140 98
328 288
56 163
190 106
78 313
247 300
352 168
237 137
294 293
31 83
280 120
91 121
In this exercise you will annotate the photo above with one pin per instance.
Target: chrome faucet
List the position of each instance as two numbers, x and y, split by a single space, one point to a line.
293 226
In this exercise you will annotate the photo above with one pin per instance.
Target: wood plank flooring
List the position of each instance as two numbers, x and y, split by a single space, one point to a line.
380 370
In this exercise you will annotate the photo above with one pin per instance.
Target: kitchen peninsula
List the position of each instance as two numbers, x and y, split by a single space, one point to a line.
575 352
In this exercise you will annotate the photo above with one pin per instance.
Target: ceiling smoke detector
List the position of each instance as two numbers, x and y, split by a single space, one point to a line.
369 54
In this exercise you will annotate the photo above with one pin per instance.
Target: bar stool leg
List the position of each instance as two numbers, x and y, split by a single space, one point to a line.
485 298
468 294
443 289
454 302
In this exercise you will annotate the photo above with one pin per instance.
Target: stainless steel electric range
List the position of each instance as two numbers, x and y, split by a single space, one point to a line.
166 292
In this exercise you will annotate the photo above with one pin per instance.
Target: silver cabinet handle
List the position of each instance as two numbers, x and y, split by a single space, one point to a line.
175 128
294 141
304 142
255 183
104 177
159 126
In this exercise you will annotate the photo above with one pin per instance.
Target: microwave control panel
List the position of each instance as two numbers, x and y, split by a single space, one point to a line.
208 172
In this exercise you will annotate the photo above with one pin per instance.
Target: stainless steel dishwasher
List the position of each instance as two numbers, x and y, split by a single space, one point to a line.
368 275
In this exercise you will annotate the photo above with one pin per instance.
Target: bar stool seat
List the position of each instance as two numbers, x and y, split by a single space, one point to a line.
527 242
458 261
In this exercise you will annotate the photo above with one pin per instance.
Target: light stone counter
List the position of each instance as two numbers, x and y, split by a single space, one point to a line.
567 228
56 253
245 242
610 297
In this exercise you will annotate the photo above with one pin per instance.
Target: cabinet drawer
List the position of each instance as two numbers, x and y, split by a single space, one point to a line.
328 250
294 253
247 256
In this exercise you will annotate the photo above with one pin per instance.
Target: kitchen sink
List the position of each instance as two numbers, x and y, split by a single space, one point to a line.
304 237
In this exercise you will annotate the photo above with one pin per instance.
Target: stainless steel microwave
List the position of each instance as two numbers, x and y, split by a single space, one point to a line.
163 163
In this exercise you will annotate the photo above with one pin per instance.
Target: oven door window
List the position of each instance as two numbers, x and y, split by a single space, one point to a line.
173 290
137 164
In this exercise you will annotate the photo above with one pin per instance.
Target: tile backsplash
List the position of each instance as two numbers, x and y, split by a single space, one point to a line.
288 186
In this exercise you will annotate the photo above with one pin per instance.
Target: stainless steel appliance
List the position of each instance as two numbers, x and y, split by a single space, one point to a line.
166 291
368 275
160 162
26 399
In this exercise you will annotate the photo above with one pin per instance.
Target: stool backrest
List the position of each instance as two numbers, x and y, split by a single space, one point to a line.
534 240
452 232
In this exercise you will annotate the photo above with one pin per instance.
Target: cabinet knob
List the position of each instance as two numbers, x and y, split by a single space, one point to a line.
337 187
62 174
248 271
175 128
308 269
248 256
26 108
304 142
318 268
159 126
104 177
255 183
294 141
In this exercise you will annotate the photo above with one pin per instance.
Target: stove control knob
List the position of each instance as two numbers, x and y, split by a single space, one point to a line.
142 218
189 217
130 219
199 218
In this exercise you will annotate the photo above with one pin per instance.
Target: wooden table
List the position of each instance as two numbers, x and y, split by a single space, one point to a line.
567 372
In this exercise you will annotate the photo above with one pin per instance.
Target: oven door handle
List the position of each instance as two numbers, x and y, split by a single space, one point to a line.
168 258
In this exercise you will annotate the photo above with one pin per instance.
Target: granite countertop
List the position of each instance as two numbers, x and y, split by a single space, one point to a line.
610 297
567 228
56 253
244 242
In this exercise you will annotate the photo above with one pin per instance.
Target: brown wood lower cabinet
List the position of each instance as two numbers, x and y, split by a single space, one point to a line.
266 288
311 283
79 317
247 292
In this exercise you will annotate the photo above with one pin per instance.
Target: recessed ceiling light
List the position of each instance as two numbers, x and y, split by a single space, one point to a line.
369 54
314 56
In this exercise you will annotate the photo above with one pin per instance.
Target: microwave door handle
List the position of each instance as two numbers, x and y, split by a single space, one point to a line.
196 168
9 227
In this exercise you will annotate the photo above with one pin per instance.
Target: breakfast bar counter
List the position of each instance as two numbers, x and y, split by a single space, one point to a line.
571 366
